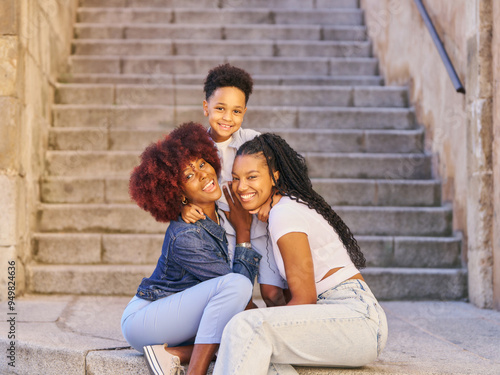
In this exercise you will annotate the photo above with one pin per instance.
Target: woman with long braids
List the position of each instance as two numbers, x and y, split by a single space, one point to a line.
331 317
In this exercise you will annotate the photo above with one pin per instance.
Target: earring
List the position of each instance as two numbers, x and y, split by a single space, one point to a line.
184 201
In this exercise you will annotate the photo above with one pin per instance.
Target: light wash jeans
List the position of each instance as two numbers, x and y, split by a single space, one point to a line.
346 328
201 311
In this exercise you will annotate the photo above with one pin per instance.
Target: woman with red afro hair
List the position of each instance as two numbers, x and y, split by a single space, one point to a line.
196 287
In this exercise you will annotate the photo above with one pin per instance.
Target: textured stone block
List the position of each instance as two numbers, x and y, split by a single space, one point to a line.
67 248
344 33
408 193
117 191
90 279
222 17
9 19
128 94
84 139
397 141
91 163
85 94
357 118
274 32
112 16
417 284
301 96
323 49
397 221
224 48
282 65
308 140
346 192
132 249
94 64
92 218
422 252
353 66
83 31
8 202
170 65
380 166
174 31
378 251
337 4
122 47
10 110
130 116
72 190
380 97
9 50
134 140
320 17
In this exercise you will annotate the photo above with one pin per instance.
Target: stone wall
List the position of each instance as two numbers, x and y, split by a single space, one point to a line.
35 38
459 128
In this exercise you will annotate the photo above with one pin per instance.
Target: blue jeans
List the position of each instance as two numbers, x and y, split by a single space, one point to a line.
346 328
197 314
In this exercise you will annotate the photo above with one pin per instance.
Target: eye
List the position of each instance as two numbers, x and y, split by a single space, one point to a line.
235 178
252 177
202 164
219 108
237 112
188 176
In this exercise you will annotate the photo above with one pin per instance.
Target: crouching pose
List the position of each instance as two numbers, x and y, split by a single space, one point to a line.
332 317
180 311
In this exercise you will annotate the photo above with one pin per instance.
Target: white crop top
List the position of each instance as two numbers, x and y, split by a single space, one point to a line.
327 250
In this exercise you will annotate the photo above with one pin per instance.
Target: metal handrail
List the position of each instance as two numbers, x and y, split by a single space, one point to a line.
440 47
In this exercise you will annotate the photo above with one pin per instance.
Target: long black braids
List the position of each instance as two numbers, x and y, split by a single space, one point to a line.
294 182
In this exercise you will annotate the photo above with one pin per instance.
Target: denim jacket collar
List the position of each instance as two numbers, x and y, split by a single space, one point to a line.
214 229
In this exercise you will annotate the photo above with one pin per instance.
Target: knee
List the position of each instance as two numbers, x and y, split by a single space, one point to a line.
244 324
239 285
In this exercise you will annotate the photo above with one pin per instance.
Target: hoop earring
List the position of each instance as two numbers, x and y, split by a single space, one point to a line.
184 201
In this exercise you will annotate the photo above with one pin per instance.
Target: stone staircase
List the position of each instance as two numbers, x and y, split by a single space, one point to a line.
137 71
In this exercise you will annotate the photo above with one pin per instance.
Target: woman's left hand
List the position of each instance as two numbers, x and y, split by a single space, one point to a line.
240 219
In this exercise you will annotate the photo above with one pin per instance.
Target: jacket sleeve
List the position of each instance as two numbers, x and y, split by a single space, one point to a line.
199 257
246 262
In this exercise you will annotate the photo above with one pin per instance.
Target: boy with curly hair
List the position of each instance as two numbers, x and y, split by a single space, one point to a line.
227 90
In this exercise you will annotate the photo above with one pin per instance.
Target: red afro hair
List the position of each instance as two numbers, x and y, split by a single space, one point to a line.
156 184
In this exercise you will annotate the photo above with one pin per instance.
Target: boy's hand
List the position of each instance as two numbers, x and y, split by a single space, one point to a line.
240 219
191 213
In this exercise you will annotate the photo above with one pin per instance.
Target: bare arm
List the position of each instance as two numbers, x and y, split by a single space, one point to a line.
296 253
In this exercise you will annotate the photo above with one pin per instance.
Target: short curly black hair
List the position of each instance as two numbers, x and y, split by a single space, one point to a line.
227 75
156 184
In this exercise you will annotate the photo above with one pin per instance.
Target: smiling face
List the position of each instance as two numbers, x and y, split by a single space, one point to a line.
252 182
225 110
199 183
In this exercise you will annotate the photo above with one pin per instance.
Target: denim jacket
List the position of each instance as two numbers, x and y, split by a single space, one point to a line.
191 254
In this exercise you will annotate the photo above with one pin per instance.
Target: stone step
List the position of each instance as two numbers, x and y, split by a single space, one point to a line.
103 248
198 79
254 48
303 140
353 192
280 4
217 32
417 284
386 283
201 65
240 16
257 117
345 96
321 165
128 218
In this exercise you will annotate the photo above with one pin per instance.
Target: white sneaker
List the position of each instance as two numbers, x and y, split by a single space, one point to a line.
161 362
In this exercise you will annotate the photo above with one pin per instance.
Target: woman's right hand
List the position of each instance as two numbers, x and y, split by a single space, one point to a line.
240 219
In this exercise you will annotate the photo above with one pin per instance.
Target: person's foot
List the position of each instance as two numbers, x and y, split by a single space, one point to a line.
161 362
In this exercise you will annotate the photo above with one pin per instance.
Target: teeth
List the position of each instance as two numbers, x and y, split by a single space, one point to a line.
207 186
247 196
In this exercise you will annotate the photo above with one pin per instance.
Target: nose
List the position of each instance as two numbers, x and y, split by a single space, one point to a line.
227 116
241 186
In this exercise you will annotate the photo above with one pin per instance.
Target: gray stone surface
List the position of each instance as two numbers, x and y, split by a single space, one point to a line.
81 334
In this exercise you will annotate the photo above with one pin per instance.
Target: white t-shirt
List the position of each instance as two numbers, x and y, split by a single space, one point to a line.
327 250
